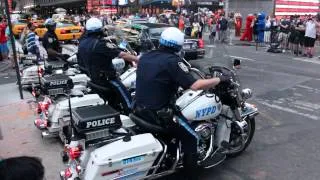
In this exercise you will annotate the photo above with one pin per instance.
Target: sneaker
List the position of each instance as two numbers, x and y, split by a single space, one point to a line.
283 50
310 56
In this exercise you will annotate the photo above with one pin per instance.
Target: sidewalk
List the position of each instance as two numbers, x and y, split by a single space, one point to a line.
20 137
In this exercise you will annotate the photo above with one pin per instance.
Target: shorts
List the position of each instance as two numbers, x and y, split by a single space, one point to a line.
301 40
4 48
283 37
292 38
309 42
213 34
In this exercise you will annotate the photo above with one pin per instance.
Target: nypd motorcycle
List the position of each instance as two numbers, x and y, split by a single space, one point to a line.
220 117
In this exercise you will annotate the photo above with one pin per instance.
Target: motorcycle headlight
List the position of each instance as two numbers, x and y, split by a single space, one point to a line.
246 93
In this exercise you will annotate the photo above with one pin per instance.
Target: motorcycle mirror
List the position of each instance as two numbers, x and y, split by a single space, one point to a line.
237 63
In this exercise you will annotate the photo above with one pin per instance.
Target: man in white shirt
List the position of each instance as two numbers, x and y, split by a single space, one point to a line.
310 37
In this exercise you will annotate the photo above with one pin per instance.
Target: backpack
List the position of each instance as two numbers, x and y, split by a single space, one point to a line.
223 24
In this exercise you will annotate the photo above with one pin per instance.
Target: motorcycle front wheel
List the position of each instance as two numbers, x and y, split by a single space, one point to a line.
236 146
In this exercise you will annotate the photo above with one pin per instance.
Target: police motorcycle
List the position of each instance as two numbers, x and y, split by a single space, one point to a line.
220 117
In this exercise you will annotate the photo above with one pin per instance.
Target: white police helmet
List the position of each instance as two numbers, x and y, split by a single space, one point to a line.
94 25
172 38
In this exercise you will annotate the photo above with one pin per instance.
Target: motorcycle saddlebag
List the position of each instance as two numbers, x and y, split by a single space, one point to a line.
122 159
49 66
95 117
56 84
28 60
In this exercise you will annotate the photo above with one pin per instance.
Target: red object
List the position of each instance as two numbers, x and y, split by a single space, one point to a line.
74 152
181 24
200 43
247 35
238 26
63 31
67 173
40 71
41 124
3 38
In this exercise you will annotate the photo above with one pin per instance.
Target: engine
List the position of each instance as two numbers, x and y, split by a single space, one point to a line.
95 123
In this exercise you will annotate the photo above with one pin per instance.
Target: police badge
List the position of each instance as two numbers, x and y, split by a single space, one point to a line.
111 45
183 67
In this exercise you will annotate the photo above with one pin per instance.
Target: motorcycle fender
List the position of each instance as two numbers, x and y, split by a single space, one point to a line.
250 110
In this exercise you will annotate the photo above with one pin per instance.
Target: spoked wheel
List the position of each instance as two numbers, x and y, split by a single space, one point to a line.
236 144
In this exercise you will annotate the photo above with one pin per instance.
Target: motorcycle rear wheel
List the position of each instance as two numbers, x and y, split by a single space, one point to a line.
237 150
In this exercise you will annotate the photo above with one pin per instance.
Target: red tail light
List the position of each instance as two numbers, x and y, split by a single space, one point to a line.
40 72
74 152
63 31
67 173
41 124
200 43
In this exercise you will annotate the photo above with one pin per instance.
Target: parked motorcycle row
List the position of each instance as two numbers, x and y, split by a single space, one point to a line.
103 141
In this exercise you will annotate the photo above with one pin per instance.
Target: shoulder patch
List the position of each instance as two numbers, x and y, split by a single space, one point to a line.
183 67
50 40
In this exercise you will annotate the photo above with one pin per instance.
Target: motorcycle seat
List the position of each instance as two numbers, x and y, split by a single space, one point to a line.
152 128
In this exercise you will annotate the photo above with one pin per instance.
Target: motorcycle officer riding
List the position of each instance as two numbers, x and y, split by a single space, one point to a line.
159 75
50 41
95 56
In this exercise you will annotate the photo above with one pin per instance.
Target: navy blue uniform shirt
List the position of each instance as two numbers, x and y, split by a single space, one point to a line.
50 40
96 54
159 75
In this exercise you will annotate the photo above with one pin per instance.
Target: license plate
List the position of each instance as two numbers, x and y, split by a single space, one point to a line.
55 91
186 46
74 31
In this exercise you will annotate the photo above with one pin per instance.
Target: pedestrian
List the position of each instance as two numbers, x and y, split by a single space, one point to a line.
223 23
213 32
302 31
181 23
3 39
231 27
9 45
33 42
310 37
283 36
195 29
21 168
267 31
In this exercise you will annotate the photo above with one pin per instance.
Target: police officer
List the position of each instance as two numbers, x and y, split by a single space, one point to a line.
95 56
159 74
50 41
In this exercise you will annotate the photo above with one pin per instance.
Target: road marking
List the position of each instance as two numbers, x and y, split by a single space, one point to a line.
241 58
211 46
307 60
289 110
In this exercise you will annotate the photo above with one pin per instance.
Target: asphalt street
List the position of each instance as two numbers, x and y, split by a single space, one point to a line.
285 146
